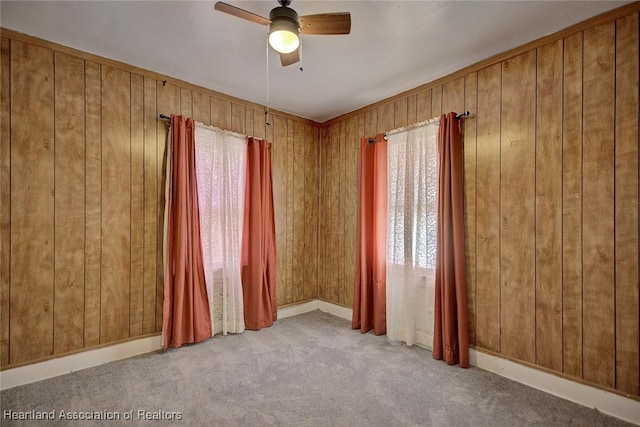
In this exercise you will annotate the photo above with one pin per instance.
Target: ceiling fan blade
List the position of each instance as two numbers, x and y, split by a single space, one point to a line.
290 58
326 23
241 13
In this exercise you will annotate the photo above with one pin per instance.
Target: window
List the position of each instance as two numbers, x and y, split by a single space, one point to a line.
412 168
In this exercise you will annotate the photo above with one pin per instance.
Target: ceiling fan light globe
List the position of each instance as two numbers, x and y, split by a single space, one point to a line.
284 41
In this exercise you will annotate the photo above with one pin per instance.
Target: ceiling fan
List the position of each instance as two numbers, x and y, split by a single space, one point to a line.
285 26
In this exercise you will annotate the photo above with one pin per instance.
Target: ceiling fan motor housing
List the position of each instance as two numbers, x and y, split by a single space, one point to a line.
282 14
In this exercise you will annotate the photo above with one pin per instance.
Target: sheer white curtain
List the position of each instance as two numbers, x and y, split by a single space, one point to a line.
412 160
221 158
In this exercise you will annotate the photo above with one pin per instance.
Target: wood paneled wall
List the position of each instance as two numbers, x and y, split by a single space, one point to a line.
82 199
551 199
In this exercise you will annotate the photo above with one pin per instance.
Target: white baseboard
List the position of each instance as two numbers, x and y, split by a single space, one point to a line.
604 401
336 310
308 306
296 309
75 362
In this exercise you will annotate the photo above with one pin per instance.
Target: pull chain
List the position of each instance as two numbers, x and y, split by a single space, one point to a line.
301 56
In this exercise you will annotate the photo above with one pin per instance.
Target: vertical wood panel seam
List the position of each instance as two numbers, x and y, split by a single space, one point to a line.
615 270
535 212
310 145
500 216
130 194
8 338
101 188
291 144
475 210
289 215
84 229
307 283
476 217
376 126
304 209
337 255
319 176
341 213
562 118
320 188
144 193
325 184
343 207
582 208
320 212
296 202
53 296
210 98
562 365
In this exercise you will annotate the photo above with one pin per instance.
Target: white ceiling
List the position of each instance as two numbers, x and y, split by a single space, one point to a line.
393 46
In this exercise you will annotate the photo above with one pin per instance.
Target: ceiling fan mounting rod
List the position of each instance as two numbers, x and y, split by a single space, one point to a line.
284 13
284 3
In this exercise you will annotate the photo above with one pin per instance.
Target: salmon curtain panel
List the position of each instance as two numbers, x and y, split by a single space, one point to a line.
451 334
259 240
369 294
185 310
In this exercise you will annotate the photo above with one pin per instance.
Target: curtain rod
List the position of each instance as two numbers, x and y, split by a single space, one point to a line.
164 118
418 124
433 120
